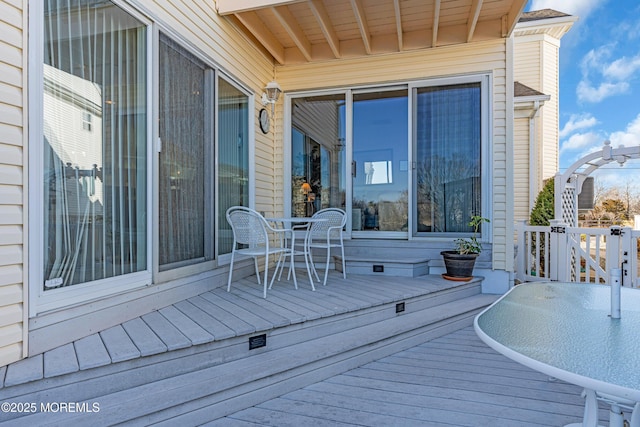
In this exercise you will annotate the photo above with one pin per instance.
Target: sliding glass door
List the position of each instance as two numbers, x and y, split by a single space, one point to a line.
380 168
417 157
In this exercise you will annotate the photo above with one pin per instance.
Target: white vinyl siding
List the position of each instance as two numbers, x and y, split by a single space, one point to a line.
521 168
481 57
12 95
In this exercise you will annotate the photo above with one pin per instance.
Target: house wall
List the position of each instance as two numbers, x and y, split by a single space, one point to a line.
193 23
536 66
521 160
13 291
481 57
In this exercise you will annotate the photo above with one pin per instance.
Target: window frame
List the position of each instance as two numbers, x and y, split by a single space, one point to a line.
486 126
41 301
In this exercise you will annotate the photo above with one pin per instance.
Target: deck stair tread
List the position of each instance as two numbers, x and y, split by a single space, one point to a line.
170 335
145 339
163 395
183 323
60 361
119 345
91 352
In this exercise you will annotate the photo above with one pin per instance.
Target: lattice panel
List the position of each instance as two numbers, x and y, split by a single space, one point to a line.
569 206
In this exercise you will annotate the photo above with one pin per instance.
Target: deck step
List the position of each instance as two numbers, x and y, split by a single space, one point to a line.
286 363
400 267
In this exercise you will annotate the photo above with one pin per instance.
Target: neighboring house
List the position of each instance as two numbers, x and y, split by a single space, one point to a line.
536 125
128 127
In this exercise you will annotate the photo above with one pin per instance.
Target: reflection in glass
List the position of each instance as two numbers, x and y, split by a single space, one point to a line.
94 155
317 154
448 142
233 157
380 184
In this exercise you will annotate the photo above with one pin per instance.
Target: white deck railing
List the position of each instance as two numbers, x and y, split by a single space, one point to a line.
572 254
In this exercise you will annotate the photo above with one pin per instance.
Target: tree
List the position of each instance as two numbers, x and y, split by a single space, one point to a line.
543 208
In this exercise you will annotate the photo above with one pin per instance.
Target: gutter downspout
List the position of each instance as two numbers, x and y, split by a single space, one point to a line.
534 161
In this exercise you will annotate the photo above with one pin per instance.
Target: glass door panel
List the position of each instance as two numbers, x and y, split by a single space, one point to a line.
380 168
317 154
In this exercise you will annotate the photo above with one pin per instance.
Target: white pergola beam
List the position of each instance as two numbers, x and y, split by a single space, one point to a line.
436 23
288 21
254 24
320 12
230 7
396 8
358 11
472 21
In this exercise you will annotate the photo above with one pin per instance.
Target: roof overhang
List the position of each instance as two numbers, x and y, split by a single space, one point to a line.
298 31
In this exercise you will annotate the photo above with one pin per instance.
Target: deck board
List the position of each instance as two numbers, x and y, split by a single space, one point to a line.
452 380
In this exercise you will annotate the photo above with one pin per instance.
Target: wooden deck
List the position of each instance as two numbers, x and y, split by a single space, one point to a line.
454 380
191 363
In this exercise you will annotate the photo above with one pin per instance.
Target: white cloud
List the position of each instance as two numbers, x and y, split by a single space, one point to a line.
584 142
577 122
587 92
581 8
612 75
629 137
622 68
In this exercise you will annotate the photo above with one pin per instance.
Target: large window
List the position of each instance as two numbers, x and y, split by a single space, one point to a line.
185 118
94 156
448 157
94 148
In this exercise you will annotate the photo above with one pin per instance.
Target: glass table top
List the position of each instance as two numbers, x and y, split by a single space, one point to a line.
567 326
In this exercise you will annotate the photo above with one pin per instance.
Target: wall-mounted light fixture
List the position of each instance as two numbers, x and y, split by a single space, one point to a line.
271 94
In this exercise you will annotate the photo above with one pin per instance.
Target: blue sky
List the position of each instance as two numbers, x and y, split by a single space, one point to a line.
599 83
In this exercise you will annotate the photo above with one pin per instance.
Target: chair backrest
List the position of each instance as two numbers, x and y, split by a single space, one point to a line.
335 219
249 227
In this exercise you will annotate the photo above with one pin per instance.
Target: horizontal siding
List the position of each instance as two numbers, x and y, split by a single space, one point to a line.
521 169
12 96
426 64
550 112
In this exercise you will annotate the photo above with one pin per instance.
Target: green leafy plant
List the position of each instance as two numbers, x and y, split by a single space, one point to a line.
471 245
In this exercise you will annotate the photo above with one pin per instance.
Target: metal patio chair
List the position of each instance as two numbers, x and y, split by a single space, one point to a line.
326 235
258 239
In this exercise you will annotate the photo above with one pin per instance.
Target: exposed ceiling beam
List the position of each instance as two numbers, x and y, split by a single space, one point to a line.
474 14
320 12
254 24
514 14
230 7
361 19
436 22
396 8
291 26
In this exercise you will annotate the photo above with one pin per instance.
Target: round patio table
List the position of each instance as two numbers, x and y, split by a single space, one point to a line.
565 330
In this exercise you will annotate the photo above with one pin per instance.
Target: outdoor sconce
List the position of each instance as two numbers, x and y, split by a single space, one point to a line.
271 94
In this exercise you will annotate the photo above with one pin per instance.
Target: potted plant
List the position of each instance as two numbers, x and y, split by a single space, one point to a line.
459 263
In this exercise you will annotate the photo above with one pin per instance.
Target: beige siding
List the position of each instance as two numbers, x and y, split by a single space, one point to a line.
12 95
550 112
521 169
536 62
441 62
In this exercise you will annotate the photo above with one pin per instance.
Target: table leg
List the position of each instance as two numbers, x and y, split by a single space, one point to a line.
590 417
